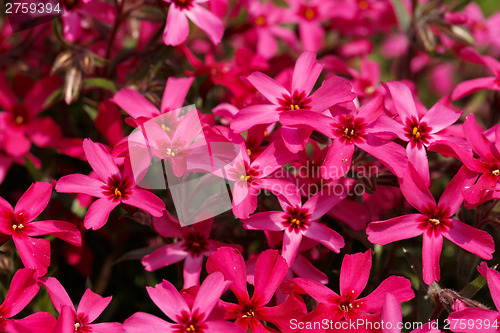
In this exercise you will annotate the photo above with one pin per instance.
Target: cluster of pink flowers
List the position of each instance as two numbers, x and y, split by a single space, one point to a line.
333 129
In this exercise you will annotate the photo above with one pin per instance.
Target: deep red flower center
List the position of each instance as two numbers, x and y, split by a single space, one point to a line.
297 219
117 188
81 324
363 5
183 4
245 175
296 101
308 12
248 311
260 20
349 129
169 149
417 132
18 221
195 243
189 323
19 116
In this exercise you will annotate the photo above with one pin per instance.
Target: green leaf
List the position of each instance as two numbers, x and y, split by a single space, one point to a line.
402 15
33 171
99 82
473 287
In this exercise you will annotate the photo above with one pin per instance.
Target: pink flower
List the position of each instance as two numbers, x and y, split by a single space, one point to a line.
22 289
392 316
270 270
177 28
418 130
347 306
468 87
193 245
487 165
20 124
299 221
79 321
350 128
18 223
333 91
434 222
187 319
113 187
488 318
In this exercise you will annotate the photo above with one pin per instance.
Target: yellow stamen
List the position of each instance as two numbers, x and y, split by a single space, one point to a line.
346 131
416 133
295 221
434 221
294 107
496 172
19 119
14 226
369 90
165 128
117 192
346 308
247 178
196 244
191 328
249 152
248 314
352 132
260 20
309 14
77 326
242 178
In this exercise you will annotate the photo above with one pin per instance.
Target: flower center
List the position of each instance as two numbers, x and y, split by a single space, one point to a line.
183 4
77 326
195 243
349 129
309 13
346 307
17 226
245 174
496 172
18 221
363 5
297 218
191 328
165 128
248 314
296 101
435 222
117 189
417 132
260 20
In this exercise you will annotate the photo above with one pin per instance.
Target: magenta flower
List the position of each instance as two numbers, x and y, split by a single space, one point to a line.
187 319
22 289
333 91
350 128
299 221
270 270
487 164
79 321
419 131
114 187
251 177
434 222
488 318
392 317
468 87
354 275
193 245
20 123
177 28
18 223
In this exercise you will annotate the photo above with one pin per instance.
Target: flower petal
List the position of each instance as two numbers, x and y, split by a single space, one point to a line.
209 293
338 160
57 293
135 104
66 231
402 98
141 322
452 197
391 313
92 305
99 159
396 285
416 192
98 213
177 28
431 251
270 270
326 236
230 262
254 115
480 144
468 87
389 153
471 239
175 93
164 256
354 273
268 87
291 243
21 291
418 157
146 201
77 183
334 90
192 271
168 299
206 21
34 253
306 73
440 117
272 221
475 315
34 200
308 119
395 229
